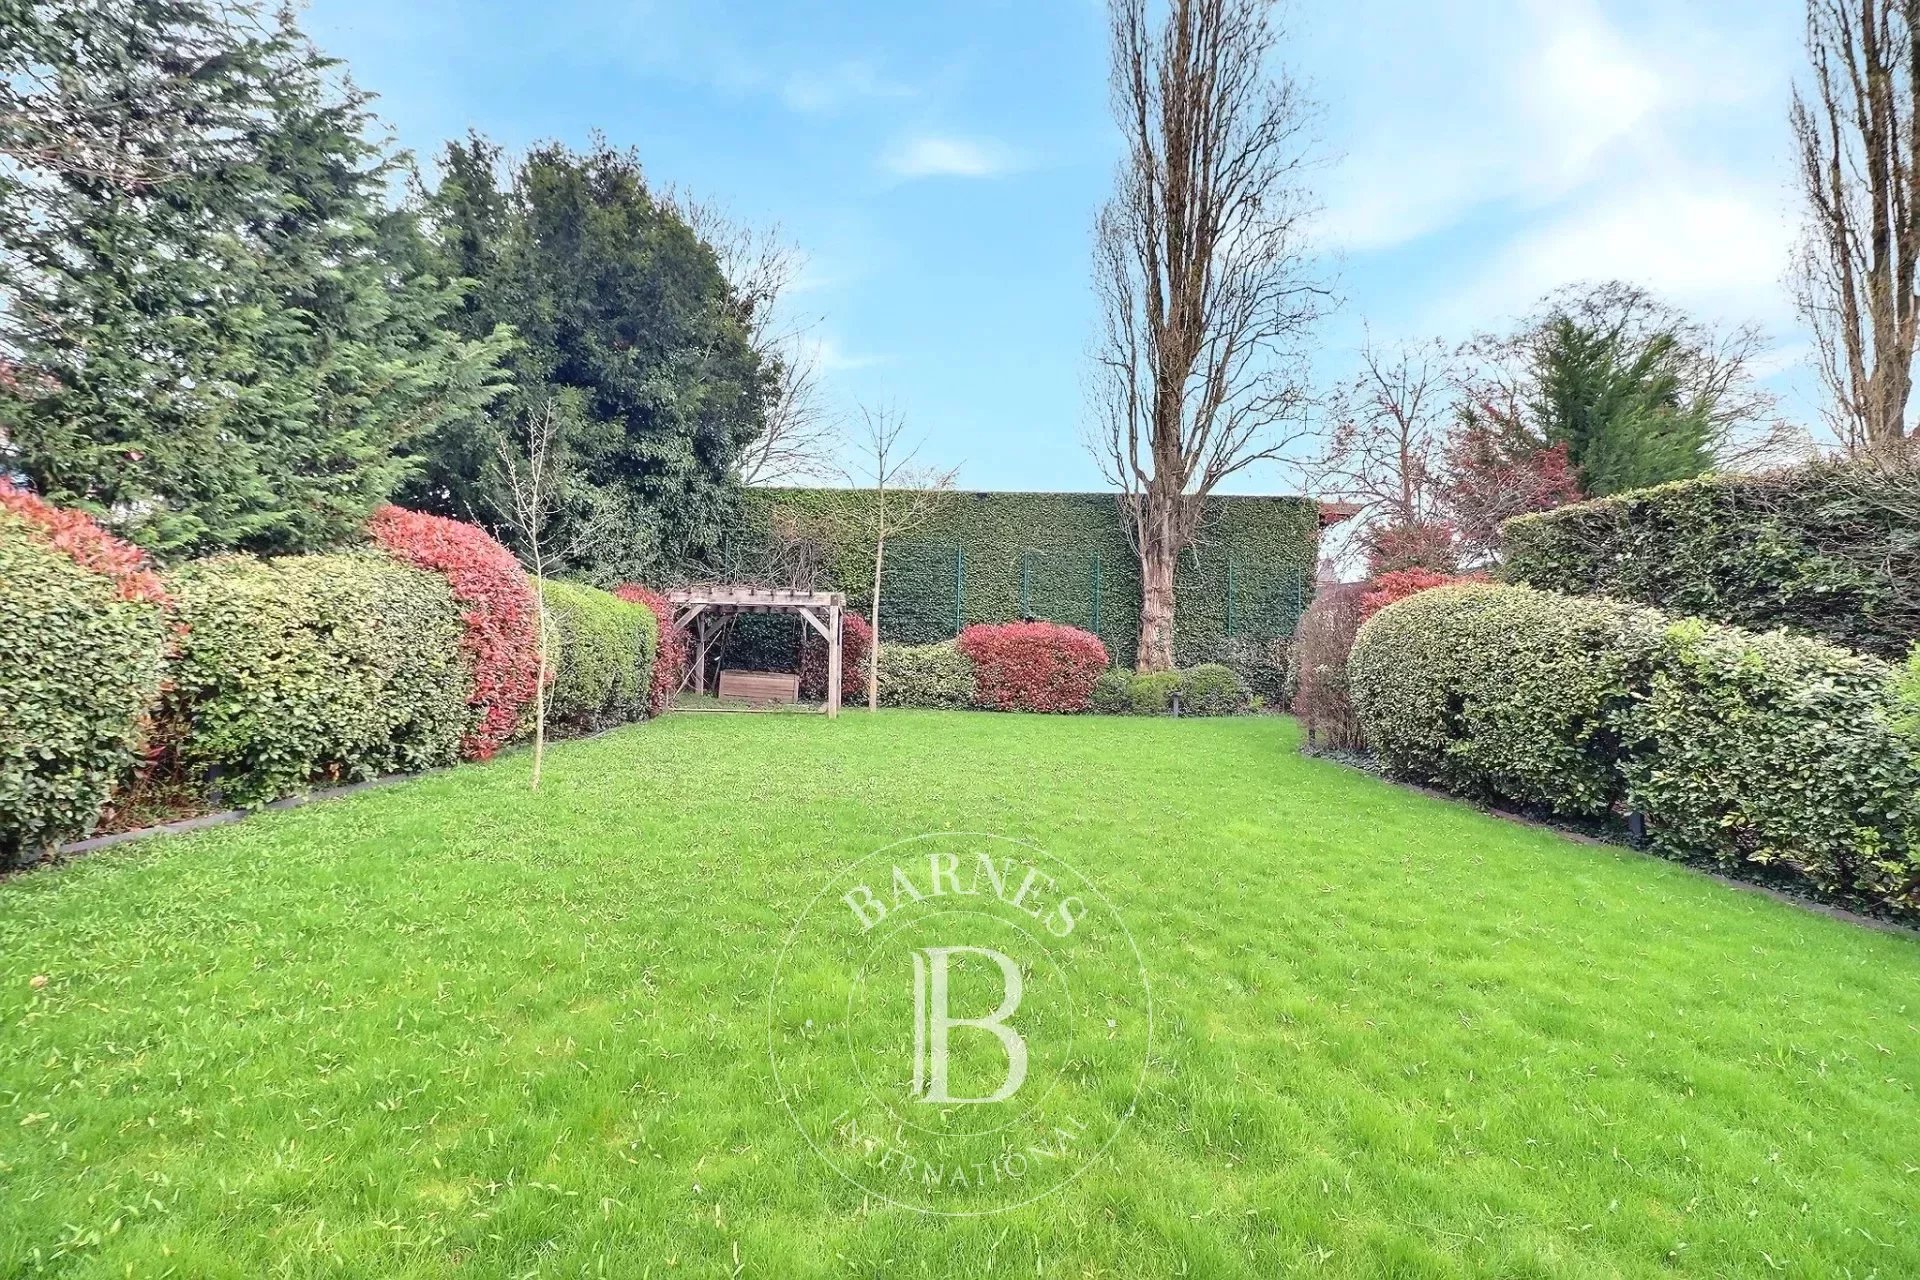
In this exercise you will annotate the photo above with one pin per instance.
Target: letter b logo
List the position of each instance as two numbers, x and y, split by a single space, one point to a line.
932 1023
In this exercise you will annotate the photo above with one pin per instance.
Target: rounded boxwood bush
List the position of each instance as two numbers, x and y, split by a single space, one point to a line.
314 669
602 655
80 665
1212 689
1110 692
1150 693
1503 693
925 675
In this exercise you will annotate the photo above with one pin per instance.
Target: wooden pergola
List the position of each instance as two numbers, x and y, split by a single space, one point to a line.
695 608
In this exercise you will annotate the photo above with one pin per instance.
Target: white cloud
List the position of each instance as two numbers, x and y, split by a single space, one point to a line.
1519 104
1702 239
938 156
830 357
826 89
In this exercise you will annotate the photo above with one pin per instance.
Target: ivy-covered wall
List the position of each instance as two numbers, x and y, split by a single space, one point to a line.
997 557
1831 550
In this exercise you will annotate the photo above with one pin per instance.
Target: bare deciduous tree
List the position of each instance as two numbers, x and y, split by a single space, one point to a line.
531 465
763 269
1386 443
1858 140
1202 274
900 495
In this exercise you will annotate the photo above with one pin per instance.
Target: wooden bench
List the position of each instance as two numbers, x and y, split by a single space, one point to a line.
760 686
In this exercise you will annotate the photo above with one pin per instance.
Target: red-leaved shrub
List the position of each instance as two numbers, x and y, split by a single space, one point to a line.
670 664
1033 666
856 643
1384 589
500 628
75 535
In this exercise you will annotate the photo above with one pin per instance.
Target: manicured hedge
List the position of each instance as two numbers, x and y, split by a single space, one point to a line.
1781 751
1831 550
81 643
603 653
675 651
1033 666
1210 689
313 669
1768 750
925 675
500 632
1061 557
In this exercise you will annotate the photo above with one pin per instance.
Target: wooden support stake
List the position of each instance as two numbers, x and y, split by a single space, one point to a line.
833 661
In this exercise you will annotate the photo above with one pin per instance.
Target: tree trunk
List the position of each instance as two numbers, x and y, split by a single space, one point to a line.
1158 557
540 687
873 649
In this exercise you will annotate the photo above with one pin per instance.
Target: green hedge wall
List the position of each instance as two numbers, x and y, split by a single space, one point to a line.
313 669
1832 550
1063 557
603 657
79 668
1747 749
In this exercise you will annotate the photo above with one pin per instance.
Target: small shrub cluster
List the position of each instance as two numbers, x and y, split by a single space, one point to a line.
499 626
82 640
1210 689
1830 550
313 669
925 675
1150 693
602 659
676 649
1768 750
1033 666
856 647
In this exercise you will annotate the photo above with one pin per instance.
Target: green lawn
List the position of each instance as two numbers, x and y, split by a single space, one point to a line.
453 1027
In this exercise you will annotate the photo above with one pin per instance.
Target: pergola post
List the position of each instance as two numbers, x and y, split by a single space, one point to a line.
834 678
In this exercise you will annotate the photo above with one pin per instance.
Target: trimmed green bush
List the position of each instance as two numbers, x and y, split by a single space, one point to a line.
1769 750
1781 751
1212 689
603 652
313 669
1150 693
925 675
1503 693
1831 550
80 665
1112 692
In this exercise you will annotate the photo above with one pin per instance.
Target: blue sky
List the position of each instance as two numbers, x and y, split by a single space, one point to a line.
941 163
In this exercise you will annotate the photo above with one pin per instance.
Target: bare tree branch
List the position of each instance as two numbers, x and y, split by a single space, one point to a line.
905 495
763 268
